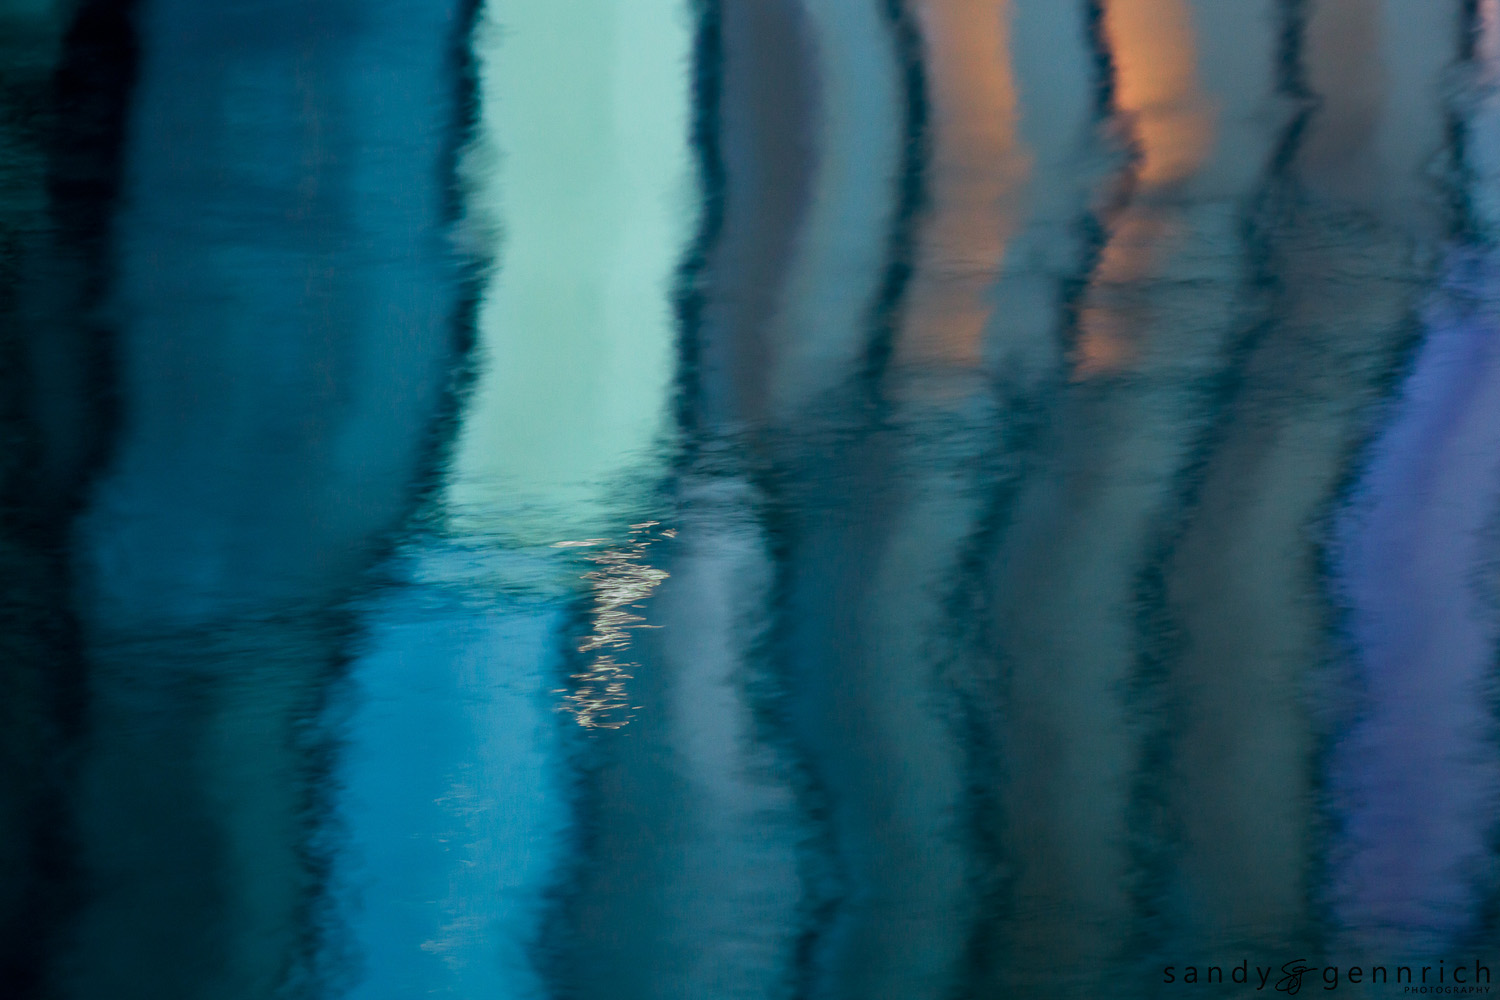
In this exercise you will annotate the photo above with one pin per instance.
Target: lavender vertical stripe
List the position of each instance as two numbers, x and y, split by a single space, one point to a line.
1415 776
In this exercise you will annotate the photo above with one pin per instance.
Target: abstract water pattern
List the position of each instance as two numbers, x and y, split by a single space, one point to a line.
746 499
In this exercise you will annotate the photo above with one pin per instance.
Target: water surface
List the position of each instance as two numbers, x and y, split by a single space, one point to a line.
745 498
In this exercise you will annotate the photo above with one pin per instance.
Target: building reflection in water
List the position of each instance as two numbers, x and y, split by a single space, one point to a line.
520 599
1324 323
279 347
743 499
1414 573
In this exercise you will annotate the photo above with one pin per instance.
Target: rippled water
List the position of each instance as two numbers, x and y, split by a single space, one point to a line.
727 499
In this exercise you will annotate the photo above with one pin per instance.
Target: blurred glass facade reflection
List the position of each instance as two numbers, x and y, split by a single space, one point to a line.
744 498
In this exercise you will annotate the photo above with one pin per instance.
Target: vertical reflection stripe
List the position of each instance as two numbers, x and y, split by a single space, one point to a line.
580 181
977 169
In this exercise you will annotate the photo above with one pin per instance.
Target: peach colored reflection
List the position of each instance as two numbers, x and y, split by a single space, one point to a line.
1158 96
975 176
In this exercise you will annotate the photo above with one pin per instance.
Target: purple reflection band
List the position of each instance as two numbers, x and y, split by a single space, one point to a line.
1414 776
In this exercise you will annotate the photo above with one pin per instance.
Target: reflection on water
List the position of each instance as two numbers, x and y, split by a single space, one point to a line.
975 173
1415 568
744 499
579 198
1168 124
622 581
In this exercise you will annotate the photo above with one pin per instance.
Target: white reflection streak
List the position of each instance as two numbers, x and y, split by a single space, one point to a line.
577 183
623 581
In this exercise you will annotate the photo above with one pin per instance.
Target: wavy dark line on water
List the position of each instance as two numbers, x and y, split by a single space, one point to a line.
1278 201
691 296
825 879
1158 630
1023 421
1460 178
1470 27
92 91
474 266
1292 86
1341 687
911 193
1105 75
330 955
1022 424
1471 229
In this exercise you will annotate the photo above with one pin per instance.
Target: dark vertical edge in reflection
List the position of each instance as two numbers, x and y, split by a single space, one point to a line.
1292 86
554 946
910 191
53 333
1021 424
328 956
825 881
1474 231
979 714
589 756
1150 822
826 876
1469 28
1103 56
473 266
1339 685
1462 226
323 960
92 91
691 294
1093 225
1277 202
1023 419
